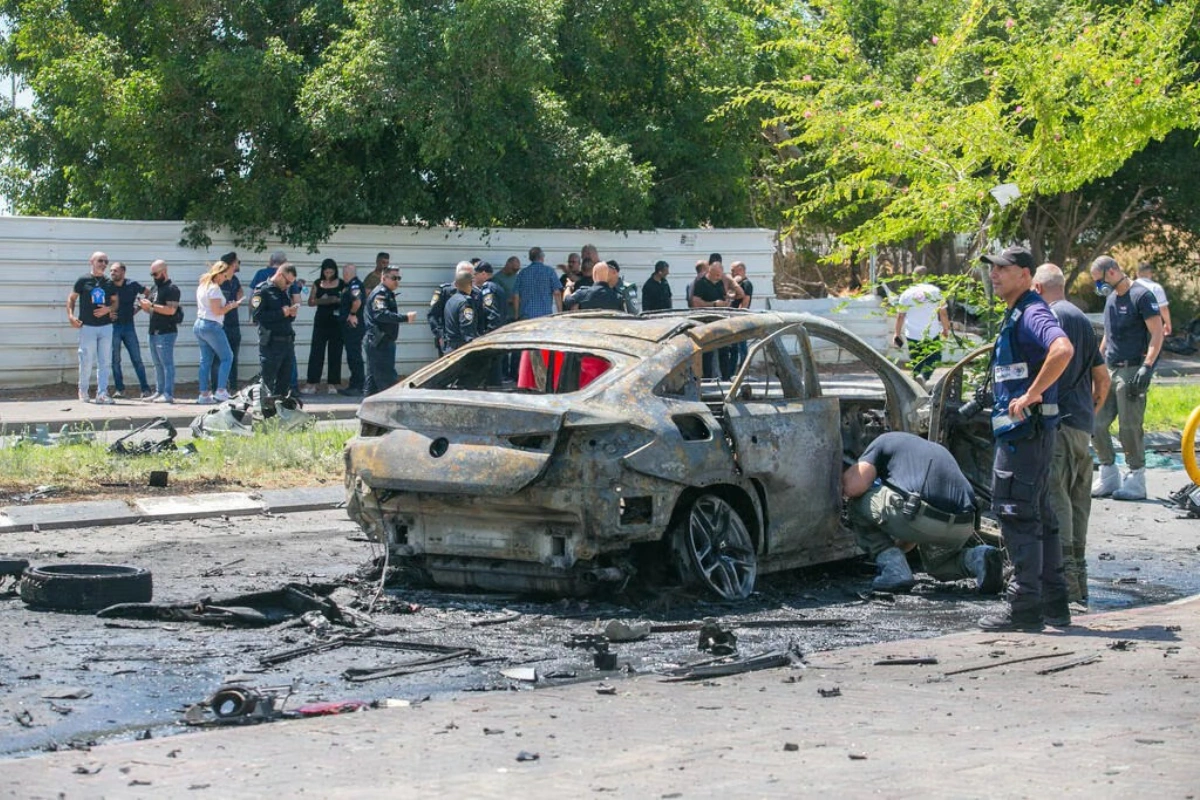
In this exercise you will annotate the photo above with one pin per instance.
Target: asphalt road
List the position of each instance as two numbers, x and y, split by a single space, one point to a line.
130 677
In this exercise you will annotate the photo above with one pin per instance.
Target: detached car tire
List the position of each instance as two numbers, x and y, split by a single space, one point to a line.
85 587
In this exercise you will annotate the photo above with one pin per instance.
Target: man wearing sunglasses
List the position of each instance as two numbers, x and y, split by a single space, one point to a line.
383 319
97 300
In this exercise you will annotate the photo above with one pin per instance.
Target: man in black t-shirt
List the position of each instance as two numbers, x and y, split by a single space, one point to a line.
97 300
907 492
124 331
737 271
163 307
714 289
656 292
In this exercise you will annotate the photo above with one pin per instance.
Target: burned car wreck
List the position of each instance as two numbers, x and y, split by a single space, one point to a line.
612 455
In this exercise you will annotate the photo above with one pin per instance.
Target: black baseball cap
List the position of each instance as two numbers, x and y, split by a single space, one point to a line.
484 266
1011 256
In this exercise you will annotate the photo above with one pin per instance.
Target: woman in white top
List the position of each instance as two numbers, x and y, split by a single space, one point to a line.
211 308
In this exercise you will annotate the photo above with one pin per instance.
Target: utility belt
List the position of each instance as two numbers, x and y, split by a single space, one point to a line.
377 339
1133 362
916 508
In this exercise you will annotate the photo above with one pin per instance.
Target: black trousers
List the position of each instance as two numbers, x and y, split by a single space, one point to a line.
724 359
381 367
1021 500
352 338
277 359
234 336
327 339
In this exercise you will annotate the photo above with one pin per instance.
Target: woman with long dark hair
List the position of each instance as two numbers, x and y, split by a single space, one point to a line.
327 328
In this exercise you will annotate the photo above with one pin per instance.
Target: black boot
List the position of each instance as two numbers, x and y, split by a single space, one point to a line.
1027 620
1057 612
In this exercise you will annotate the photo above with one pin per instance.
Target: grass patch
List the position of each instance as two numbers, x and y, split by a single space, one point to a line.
1169 404
268 459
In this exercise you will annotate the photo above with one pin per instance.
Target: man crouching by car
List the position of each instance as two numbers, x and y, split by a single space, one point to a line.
907 492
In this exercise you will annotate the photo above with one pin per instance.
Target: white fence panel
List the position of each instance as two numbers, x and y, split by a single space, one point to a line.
41 258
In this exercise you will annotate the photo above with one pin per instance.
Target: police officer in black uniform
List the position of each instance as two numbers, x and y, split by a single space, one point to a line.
1028 358
492 309
383 319
272 310
354 327
461 323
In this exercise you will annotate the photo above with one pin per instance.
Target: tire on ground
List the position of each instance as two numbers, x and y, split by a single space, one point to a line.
85 587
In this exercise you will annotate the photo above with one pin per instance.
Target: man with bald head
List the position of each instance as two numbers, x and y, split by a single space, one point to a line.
1081 391
161 304
97 300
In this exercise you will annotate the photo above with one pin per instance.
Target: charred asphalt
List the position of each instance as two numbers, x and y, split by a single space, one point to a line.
75 680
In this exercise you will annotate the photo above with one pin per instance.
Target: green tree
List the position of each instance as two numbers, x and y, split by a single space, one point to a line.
904 116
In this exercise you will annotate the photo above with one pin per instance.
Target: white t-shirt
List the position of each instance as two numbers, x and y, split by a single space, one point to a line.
205 294
919 304
1155 289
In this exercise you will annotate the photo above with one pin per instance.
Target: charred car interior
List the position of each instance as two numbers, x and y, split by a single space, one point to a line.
612 455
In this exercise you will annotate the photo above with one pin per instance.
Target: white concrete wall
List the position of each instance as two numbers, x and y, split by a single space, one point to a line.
41 258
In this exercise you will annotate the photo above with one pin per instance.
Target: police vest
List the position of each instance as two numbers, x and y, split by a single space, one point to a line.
1013 371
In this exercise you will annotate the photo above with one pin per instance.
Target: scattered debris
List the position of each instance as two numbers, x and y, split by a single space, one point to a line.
604 688
604 659
238 703
1079 662
788 622
857 756
213 572
1006 662
1106 557
1187 500
156 436
507 616
526 674
362 674
23 718
619 630
770 660
332 708
836 691
525 755
74 693
716 640
1122 644
252 610
790 747
493 731
891 661
1150 741
90 770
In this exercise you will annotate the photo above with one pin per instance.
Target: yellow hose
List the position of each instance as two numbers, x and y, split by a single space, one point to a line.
1189 445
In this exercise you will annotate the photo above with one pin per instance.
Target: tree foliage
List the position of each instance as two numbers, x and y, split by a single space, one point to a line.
294 117
904 115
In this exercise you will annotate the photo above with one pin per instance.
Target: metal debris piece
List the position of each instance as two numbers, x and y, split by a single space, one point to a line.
770 660
907 662
361 674
1122 644
240 704
790 747
212 572
678 627
1079 662
857 756
331 708
604 659
619 630
526 674
606 689
73 693
255 609
834 692
525 755
1006 662
23 718
507 616
360 639
716 640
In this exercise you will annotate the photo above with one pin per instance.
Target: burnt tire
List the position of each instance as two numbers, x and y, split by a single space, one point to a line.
713 550
85 587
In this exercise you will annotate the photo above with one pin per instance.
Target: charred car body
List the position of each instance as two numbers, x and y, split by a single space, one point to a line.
611 453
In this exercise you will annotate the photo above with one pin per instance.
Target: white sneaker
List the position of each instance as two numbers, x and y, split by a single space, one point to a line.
308 389
83 398
1133 487
205 400
105 400
117 395
152 398
221 395
1108 481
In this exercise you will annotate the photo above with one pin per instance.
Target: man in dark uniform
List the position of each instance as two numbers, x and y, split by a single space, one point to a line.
1133 339
906 491
656 292
382 317
232 289
437 306
1029 356
271 308
1081 390
601 294
492 311
353 329
124 331
628 292
461 324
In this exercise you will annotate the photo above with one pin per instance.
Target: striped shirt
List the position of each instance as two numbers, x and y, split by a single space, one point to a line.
536 286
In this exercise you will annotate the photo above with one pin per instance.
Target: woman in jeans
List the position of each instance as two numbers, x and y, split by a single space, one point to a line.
211 307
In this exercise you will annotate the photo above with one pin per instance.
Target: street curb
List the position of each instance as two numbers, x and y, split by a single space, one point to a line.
104 513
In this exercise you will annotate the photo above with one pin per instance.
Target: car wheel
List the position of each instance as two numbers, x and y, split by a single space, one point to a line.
714 550
84 587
